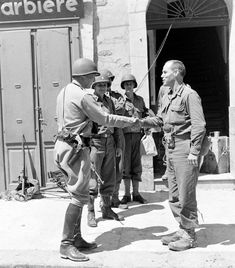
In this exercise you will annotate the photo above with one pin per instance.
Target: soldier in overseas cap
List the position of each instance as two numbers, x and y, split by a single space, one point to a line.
76 110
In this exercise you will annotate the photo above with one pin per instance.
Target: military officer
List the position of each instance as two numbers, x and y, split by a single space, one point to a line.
76 111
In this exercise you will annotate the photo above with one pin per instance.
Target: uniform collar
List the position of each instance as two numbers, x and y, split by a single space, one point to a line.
104 97
180 89
75 82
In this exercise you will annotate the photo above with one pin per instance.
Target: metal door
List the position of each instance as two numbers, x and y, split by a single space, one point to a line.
17 101
35 65
54 72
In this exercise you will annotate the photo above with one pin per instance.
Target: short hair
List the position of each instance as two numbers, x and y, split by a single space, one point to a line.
177 64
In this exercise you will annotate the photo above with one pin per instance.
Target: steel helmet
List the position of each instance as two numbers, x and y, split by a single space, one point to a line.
107 73
84 66
128 77
101 79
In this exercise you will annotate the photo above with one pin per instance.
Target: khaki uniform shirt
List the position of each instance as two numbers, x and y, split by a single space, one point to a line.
182 111
76 109
108 107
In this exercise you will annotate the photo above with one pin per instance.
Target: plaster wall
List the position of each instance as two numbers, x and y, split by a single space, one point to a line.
122 41
138 45
87 31
112 33
232 86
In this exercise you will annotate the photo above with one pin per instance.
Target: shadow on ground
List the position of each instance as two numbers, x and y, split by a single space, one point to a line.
211 234
123 236
136 210
155 197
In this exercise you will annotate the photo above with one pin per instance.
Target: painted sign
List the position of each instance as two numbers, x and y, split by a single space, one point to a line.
25 10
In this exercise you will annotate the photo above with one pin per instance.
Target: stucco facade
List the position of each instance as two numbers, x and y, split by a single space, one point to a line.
122 46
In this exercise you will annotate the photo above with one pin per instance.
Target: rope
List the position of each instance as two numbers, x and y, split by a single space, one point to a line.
155 59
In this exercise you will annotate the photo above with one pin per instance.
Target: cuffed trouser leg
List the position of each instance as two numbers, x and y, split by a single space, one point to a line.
182 181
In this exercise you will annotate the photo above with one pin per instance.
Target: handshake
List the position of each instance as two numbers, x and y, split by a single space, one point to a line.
148 122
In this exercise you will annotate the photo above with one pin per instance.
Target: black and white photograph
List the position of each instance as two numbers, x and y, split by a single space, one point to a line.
117 133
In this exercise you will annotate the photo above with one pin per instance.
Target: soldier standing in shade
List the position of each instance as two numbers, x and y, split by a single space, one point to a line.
183 121
134 106
104 145
76 109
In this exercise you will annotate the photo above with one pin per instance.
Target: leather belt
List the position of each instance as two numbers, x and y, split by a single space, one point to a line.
185 136
85 141
99 136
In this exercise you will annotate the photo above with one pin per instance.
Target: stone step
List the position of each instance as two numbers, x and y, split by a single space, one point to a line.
205 181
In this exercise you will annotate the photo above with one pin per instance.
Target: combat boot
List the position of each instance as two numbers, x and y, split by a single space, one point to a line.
139 198
116 203
126 199
172 238
107 212
91 221
67 248
188 240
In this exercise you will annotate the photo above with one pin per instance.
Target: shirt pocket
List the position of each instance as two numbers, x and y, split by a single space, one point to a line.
177 113
129 109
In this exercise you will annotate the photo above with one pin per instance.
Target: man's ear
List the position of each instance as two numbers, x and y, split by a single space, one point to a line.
176 72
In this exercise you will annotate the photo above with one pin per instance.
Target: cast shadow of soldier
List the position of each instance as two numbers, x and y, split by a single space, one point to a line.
110 240
207 234
153 198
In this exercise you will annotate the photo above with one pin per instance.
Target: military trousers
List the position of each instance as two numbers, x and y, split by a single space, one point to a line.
78 174
103 157
182 181
132 158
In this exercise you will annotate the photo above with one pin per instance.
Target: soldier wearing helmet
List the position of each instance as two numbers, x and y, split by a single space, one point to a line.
119 103
103 148
76 110
134 106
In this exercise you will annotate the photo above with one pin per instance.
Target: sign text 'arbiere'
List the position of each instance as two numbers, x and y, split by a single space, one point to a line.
24 10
